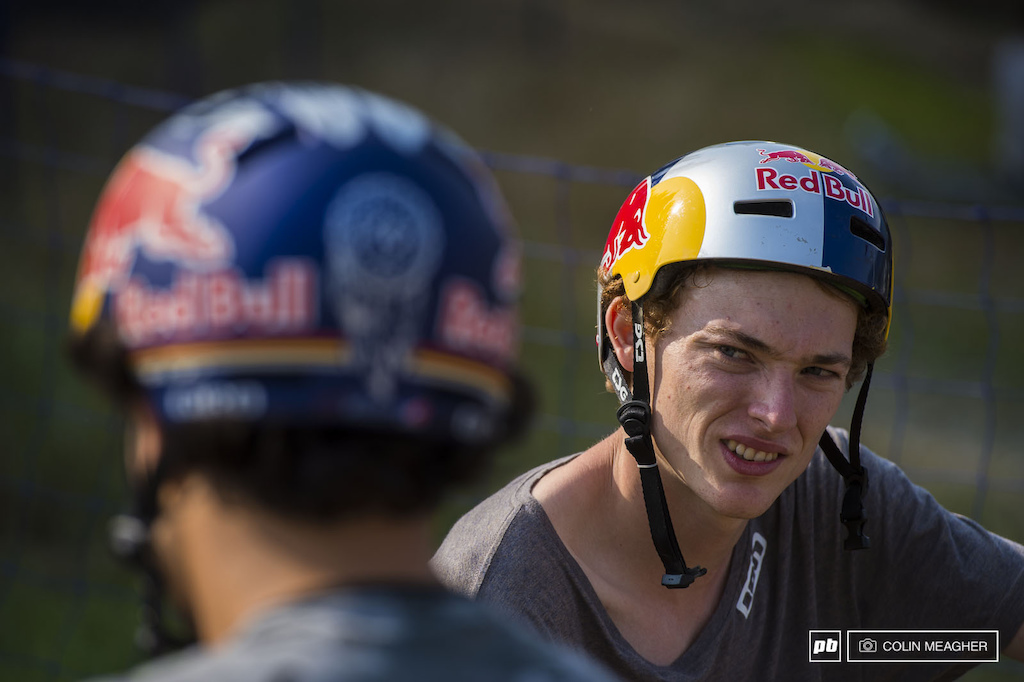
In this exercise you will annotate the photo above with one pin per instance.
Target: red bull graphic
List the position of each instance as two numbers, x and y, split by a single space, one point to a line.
791 155
809 159
508 274
629 230
468 324
153 201
816 183
834 167
153 204
218 304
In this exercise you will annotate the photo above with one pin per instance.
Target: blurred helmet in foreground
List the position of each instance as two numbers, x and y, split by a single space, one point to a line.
308 254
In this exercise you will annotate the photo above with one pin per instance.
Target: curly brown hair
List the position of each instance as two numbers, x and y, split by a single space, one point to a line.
869 340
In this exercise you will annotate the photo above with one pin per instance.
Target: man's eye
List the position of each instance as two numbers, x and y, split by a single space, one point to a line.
820 372
730 352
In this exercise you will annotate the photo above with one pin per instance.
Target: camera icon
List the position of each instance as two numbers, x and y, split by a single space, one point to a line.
867 646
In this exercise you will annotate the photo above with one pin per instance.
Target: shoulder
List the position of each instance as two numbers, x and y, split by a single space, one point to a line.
183 666
467 552
895 506
376 634
491 646
910 532
507 553
901 516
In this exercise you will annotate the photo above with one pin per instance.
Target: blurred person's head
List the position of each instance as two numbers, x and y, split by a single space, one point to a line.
303 294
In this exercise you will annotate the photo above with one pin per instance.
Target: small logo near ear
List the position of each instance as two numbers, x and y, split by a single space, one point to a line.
638 342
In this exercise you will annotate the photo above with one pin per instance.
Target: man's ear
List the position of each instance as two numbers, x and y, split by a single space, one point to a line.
618 320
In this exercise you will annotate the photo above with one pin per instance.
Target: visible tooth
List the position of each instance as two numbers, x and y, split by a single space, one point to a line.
750 454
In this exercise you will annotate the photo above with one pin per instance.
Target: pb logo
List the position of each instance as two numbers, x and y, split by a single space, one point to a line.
827 645
824 646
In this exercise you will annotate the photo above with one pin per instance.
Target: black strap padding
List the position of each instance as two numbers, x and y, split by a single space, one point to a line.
641 389
858 416
130 541
635 417
677 573
617 375
854 474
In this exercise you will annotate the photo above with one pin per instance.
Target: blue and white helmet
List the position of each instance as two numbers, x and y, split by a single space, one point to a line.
756 204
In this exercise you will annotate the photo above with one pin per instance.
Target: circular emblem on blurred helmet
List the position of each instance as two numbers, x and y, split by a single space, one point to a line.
384 240
384 235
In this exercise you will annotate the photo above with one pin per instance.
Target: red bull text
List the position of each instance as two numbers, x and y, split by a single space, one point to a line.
468 324
816 183
219 304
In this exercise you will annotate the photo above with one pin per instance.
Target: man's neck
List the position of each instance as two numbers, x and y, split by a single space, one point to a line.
232 561
706 538
596 505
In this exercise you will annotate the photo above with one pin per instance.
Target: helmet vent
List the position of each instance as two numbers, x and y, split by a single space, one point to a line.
861 229
780 208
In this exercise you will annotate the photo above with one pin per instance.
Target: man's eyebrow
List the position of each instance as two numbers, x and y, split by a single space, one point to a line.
741 338
754 343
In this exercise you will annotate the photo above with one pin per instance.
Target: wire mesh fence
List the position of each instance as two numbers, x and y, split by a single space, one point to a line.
945 402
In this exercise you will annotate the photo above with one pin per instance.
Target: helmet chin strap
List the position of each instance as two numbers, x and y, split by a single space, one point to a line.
635 416
131 543
856 476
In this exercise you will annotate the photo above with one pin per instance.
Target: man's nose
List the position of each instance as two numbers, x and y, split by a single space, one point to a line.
774 402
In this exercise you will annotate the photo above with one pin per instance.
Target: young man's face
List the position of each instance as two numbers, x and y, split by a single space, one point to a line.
747 377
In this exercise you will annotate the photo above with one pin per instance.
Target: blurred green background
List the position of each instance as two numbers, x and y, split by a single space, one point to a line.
902 92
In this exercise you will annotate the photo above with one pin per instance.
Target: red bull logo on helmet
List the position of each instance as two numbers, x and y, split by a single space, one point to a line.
629 231
219 304
153 205
809 159
821 179
469 324
791 155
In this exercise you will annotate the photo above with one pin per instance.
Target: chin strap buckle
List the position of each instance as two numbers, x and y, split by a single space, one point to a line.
635 417
684 579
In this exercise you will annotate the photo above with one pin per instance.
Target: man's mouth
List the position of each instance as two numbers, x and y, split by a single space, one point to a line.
750 454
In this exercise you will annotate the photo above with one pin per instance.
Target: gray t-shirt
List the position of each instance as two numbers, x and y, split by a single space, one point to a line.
926 569
371 634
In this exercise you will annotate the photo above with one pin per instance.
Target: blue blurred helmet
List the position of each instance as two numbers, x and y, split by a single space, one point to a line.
308 254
